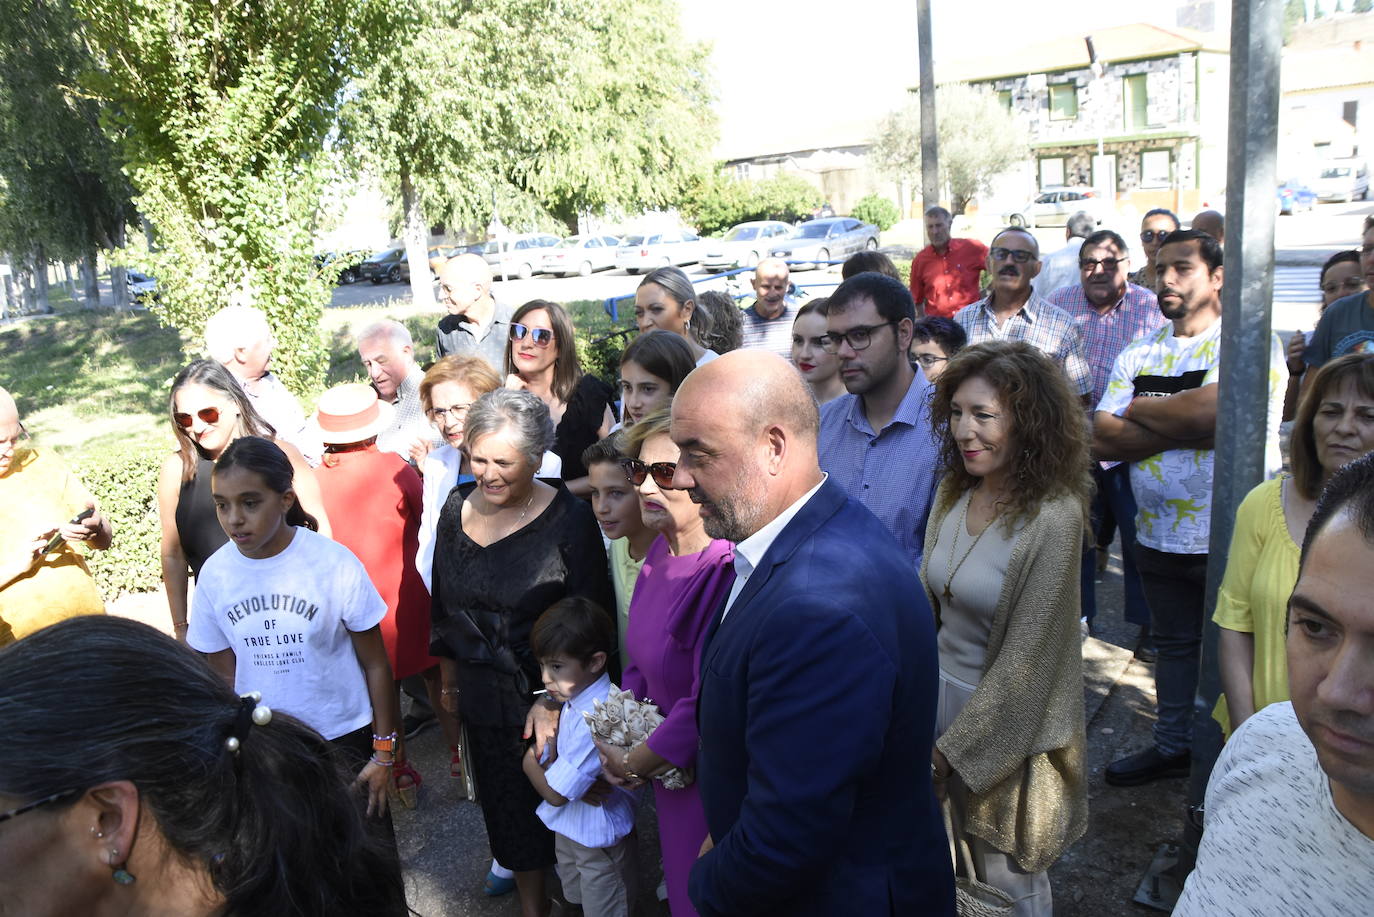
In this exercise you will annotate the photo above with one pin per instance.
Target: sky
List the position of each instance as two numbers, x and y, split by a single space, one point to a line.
840 63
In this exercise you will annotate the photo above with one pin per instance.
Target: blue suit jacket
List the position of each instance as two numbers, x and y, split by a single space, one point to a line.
817 714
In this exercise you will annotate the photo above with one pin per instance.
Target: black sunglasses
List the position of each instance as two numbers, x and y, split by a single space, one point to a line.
209 415
1149 235
37 804
542 337
637 471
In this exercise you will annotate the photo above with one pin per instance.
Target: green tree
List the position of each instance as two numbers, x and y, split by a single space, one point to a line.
976 136
876 209
220 112
1362 6
1317 11
481 107
1294 14
713 201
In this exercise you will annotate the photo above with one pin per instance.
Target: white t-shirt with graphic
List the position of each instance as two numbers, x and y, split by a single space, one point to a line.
287 618
1274 842
1173 489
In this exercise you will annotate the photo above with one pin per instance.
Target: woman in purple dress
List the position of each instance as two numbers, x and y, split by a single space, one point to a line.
685 577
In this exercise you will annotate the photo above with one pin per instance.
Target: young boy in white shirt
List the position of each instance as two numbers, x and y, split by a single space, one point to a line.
572 641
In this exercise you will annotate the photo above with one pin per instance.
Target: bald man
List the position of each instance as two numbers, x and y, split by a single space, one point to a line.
818 676
767 323
1212 223
476 323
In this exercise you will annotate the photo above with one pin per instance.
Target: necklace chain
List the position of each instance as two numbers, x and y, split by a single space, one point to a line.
961 528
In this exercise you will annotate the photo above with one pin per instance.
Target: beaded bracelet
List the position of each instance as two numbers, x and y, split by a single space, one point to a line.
379 763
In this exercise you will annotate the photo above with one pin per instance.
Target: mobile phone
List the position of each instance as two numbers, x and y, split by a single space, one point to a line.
56 539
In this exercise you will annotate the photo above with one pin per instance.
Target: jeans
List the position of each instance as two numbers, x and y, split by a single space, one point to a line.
1175 585
1114 500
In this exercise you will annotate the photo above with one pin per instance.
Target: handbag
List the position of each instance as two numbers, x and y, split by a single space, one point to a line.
972 898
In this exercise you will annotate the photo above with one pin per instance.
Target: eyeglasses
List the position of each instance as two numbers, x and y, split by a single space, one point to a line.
1020 257
456 411
1150 235
542 337
927 360
1108 265
662 472
209 415
859 337
1349 284
37 804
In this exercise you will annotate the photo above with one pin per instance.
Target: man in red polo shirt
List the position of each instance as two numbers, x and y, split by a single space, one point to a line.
944 276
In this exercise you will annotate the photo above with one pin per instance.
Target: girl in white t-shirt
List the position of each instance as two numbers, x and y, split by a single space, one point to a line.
283 610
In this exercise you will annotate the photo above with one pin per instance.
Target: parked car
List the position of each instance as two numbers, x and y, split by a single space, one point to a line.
1055 204
1343 180
1295 197
817 242
744 245
646 251
386 266
142 288
345 263
520 254
580 255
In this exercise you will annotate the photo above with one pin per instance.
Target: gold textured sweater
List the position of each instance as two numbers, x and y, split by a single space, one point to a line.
1019 742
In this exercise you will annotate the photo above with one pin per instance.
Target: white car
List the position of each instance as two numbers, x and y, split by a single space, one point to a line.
1342 180
744 245
646 251
1055 204
521 255
142 288
580 255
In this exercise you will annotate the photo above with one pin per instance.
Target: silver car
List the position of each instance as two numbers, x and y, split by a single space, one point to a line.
744 245
818 242
1055 204
521 255
646 251
580 255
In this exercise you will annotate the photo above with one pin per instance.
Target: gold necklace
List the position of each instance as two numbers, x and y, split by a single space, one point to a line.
963 526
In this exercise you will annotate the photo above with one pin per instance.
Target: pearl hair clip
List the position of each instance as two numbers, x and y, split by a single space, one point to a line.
251 712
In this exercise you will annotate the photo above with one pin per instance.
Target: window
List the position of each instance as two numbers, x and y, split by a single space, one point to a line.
1136 113
1052 171
1349 112
1004 97
1063 102
1155 169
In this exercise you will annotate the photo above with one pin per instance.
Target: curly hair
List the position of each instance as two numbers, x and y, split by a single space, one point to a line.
1048 425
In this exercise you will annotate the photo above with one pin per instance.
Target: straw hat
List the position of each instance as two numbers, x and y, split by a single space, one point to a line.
351 413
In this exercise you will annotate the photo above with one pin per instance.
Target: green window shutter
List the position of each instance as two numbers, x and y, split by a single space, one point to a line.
1063 102
1137 102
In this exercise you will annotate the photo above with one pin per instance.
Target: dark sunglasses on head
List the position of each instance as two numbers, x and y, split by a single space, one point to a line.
636 471
209 415
542 337
1150 235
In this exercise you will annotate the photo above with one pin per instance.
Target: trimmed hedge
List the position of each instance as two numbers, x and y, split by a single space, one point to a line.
124 480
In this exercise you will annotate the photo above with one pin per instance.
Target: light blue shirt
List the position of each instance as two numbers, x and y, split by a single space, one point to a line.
894 471
575 770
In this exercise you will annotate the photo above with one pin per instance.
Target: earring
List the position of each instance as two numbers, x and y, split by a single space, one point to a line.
120 875
96 832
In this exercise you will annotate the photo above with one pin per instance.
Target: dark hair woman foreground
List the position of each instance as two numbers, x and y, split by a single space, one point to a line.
126 795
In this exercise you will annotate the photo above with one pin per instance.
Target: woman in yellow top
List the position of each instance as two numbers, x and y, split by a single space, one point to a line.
38 497
1334 426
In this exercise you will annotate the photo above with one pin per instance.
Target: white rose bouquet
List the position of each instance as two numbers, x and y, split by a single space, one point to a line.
624 722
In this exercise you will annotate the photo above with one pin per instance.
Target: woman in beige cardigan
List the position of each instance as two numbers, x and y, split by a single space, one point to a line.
1001 571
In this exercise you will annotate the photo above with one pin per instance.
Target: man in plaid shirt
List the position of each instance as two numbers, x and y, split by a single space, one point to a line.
1110 312
1013 311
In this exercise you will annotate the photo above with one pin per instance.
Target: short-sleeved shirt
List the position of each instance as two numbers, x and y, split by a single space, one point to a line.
773 334
1173 489
1045 327
892 471
288 618
457 335
1275 843
1347 326
948 282
1059 269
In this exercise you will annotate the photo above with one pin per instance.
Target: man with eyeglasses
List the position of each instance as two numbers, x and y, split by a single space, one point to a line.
1013 311
388 355
1347 325
476 323
876 441
945 274
43 579
1110 312
1154 226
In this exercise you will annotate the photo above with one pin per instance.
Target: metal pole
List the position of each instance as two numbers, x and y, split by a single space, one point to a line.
930 163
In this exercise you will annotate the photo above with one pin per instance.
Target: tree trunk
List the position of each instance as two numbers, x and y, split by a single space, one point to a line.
40 281
415 234
119 280
90 279
9 302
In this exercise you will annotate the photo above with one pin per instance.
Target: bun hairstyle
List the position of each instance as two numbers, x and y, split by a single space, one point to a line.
266 459
273 824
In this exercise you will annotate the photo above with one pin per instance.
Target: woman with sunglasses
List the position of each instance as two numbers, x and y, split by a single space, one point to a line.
209 411
541 357
1154 226
686 575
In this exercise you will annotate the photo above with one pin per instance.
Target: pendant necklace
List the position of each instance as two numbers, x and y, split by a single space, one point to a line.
962 527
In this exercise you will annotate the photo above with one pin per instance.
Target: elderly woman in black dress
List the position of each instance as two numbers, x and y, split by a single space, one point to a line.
507 547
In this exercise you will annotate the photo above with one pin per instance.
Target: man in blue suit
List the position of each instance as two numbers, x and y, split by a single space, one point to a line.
818 679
